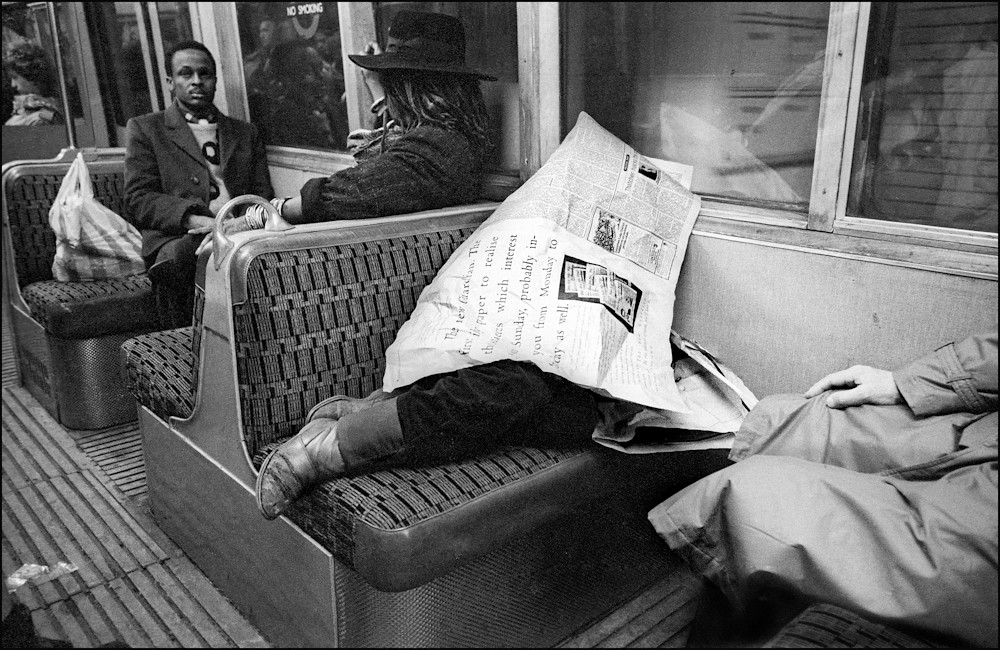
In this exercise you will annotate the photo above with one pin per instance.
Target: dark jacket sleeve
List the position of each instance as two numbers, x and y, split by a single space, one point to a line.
957 377
253 177
148 205
427 168
260 177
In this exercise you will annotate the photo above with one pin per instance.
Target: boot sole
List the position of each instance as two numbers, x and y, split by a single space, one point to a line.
260 475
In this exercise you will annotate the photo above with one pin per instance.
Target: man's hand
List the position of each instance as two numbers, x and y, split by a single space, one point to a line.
198 224
864 384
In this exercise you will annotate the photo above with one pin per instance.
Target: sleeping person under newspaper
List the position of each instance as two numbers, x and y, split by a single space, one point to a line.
549 326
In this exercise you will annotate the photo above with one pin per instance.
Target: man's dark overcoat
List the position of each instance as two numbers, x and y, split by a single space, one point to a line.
166 173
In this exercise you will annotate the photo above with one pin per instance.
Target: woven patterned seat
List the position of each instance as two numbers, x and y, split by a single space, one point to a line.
827 626
317 322
395 499
160 371
39 296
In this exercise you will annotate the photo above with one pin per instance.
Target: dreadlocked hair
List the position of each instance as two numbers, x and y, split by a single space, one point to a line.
449 101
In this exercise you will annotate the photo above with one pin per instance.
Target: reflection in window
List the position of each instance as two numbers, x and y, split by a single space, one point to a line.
175 24
119 60
29 22
490 47
294 73
926 149
731 88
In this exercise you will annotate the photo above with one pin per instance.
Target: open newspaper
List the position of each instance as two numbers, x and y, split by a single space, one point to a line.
575 272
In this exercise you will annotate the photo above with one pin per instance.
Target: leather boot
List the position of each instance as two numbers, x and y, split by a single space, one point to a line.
324 449
338 406
312 455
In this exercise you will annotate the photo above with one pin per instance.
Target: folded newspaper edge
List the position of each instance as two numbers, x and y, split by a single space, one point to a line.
717 397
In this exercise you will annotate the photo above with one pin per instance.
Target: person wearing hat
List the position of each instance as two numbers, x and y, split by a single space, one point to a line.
430 155
431 149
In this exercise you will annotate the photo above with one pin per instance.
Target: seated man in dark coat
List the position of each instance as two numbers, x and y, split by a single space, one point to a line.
181 166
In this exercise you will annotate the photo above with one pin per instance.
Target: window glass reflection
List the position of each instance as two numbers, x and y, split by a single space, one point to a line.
31 93
926 149
294 73
119 61
175 23
731 88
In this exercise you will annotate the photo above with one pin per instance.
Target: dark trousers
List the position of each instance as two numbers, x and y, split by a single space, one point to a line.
172 272
473 410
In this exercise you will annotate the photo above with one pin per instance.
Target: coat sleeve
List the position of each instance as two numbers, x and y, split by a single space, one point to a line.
426 169
148 205
957 377
260 177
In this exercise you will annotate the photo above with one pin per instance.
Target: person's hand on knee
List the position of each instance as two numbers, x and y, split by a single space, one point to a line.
858 385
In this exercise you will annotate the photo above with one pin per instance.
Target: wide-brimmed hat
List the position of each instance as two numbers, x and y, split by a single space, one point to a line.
422 41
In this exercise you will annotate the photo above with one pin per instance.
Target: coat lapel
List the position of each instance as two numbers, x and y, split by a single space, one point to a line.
181 135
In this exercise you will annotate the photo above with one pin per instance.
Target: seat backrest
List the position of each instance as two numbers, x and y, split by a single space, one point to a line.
314 320
30 189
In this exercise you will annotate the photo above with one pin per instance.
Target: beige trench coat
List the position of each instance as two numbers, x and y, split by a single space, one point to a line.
890 511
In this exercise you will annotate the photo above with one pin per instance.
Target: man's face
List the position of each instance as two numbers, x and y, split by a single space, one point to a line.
266 32
193 80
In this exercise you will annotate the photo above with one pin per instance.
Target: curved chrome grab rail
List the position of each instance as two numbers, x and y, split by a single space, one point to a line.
222 243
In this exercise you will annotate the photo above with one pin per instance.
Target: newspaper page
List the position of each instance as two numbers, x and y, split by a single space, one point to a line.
717 398
575 272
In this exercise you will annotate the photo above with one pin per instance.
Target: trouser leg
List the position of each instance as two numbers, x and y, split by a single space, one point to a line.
172 274
463 413
472 410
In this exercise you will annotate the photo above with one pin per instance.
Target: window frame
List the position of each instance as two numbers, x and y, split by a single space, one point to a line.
825 228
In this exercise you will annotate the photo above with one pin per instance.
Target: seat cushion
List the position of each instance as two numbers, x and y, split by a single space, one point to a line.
401 527
81 310
160 371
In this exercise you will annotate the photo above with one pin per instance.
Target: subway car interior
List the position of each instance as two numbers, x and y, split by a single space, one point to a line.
220 218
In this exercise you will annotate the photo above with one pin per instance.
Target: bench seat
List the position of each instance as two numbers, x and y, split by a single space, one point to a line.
67 334
518 546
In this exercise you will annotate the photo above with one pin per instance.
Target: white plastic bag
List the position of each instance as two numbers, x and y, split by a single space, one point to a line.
92 242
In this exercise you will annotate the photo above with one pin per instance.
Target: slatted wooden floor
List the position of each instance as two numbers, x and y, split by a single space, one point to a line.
80 497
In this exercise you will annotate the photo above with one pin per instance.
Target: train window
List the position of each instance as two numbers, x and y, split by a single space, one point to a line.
491 46
170 23
29 23
732 88
926 146
294 74
123 62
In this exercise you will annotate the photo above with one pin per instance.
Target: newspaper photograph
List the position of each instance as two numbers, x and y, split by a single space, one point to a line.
593 283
